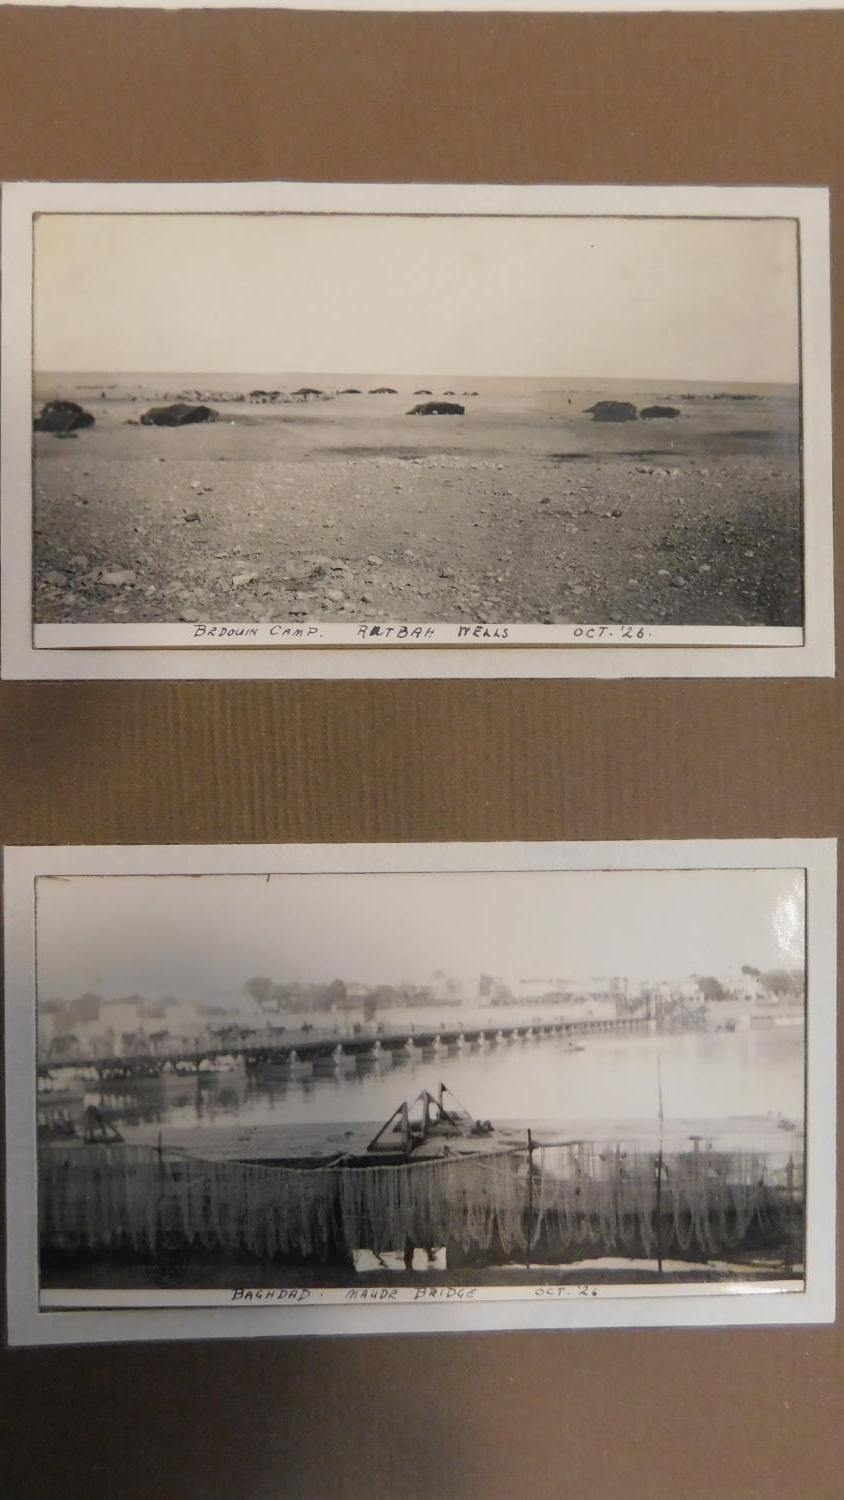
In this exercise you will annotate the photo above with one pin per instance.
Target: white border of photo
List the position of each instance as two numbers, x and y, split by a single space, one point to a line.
357 651
187 1315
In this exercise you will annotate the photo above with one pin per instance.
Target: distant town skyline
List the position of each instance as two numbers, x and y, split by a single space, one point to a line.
206 936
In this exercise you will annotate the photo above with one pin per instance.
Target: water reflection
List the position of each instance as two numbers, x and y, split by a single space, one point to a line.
706 1074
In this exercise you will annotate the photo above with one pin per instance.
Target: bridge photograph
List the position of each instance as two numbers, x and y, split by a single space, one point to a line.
445 1080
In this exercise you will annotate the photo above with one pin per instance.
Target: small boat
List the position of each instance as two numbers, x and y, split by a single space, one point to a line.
424 1122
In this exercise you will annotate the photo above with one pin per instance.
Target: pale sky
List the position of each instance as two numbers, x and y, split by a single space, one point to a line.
206 935
709 300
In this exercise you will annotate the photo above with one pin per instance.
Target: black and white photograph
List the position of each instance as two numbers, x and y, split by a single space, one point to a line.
417 428
480 1075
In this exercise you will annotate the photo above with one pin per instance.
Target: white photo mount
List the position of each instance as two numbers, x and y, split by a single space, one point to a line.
395 648
69 1316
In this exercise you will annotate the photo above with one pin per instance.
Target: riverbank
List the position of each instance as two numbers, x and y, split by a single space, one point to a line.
209 1275
307 1141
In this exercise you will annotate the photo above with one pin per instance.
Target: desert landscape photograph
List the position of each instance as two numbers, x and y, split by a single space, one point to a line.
374 418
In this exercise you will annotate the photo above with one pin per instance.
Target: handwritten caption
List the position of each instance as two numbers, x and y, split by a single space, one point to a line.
429 635
272 1294
565 1291
370 1294
381 1295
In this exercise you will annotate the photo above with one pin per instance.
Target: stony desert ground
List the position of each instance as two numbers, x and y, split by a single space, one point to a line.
348 509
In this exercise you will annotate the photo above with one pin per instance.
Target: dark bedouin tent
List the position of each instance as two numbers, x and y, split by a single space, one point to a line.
180 414
62 416
613 411
437 409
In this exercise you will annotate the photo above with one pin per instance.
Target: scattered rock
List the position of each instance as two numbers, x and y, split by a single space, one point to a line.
240 580
121 578
57 579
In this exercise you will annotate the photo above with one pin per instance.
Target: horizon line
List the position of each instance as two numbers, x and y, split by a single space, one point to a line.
452 375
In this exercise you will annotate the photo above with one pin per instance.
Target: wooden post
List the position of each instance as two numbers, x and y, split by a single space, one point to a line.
659 1210
788 1262
659 1166
530 1200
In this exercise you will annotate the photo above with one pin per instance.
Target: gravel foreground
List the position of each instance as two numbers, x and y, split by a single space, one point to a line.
350 510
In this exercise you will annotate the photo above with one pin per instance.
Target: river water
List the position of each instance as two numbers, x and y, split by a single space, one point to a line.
712 1076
